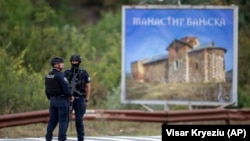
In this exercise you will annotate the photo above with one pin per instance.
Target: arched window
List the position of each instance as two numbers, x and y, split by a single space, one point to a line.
176 65
196 65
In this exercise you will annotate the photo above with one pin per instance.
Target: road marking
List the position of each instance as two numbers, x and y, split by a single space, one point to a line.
89 138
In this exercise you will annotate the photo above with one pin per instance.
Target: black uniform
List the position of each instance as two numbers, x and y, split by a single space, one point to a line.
58 92
78 78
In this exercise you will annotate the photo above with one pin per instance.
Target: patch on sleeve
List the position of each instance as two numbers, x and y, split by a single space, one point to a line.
50 76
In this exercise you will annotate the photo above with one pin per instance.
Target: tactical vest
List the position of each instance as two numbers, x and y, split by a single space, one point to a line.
52 85
76 82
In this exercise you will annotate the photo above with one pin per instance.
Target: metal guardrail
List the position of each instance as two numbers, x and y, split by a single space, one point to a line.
42 116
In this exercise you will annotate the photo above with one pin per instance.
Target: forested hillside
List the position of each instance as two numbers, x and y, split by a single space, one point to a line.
33 31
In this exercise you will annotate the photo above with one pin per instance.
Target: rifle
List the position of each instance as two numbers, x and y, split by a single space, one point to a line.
73 83
72 86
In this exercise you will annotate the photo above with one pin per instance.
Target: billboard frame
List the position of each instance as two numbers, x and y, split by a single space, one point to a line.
234 97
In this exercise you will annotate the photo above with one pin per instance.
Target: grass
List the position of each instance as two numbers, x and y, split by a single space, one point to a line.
92 128
103 128
177 91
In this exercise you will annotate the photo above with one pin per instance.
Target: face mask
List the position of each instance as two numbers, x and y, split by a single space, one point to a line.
75 65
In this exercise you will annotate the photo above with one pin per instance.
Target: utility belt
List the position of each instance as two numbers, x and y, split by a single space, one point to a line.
54 95
79 96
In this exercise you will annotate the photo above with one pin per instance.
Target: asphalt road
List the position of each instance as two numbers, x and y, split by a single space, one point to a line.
104 138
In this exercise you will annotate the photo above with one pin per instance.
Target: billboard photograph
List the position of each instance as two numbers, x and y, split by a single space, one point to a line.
179 54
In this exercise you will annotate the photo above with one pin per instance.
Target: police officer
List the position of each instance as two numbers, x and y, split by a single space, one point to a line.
79 81
58 92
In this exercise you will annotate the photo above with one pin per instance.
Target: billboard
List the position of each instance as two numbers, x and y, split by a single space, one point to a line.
179 54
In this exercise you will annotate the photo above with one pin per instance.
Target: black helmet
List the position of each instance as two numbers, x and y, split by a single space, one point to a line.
76 58
56 60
